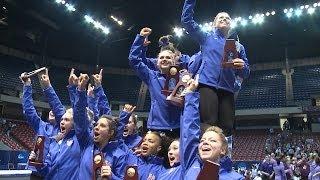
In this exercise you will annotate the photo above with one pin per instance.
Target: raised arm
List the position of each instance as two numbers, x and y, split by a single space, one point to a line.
123 119
135 56
80 117
103 103
29 110
190 127
72 86
188 22
55 104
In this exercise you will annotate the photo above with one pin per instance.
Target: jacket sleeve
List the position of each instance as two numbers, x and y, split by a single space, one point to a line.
123 120
81 122
195 63
135 60
93 106
29 110
184 61
188 22
190 130
118 167
55 104
103 102
243 73
72 94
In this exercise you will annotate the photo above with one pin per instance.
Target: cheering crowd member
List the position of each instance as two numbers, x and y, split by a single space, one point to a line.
193 150
216 86
41 128
163 116
101 142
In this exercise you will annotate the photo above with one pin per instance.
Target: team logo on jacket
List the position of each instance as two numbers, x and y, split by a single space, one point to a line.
151 177
69 142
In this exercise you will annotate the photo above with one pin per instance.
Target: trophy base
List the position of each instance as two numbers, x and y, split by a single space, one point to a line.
227 64
166 92
36 164
177 101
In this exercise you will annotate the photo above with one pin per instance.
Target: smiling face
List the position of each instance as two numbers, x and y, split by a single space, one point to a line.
173 153
212 145
165 60
222 21
150 145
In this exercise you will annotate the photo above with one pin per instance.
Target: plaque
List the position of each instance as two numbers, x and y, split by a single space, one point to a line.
175 97
38 150
210 171
32 73
131 173
230 53
172 79
98 162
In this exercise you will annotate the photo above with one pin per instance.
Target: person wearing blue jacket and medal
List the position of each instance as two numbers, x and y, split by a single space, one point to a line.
163 116
216 86
47 129
212 146
102 141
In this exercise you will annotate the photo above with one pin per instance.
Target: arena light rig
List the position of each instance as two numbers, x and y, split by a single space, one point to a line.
115 19
96 24
68 6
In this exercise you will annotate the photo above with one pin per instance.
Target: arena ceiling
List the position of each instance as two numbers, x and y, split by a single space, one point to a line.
42 26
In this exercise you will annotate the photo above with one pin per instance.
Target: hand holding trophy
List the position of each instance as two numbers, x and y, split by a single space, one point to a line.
36 156
230 53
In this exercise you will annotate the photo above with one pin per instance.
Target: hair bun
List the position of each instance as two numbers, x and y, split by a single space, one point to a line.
165 40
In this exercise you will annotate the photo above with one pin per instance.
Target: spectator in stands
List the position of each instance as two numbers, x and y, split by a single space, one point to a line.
41 128
217 104
304 167
278 169
315 172
266 168
163 116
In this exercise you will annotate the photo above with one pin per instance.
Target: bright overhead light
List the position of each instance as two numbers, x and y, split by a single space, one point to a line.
243 22
178 31
88 19
58 1
289 15
285 10
273 13
105 30
70 7
298 12
311 10
250 17
267 14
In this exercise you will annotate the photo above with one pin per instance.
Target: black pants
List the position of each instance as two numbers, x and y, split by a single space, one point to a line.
217 108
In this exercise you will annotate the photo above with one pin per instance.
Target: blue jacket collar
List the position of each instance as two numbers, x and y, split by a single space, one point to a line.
153 159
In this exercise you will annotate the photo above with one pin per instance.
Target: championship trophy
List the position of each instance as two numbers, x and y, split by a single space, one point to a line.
172 78
131 173
210 171
38 150
98 162
176 97
32 73
230 53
